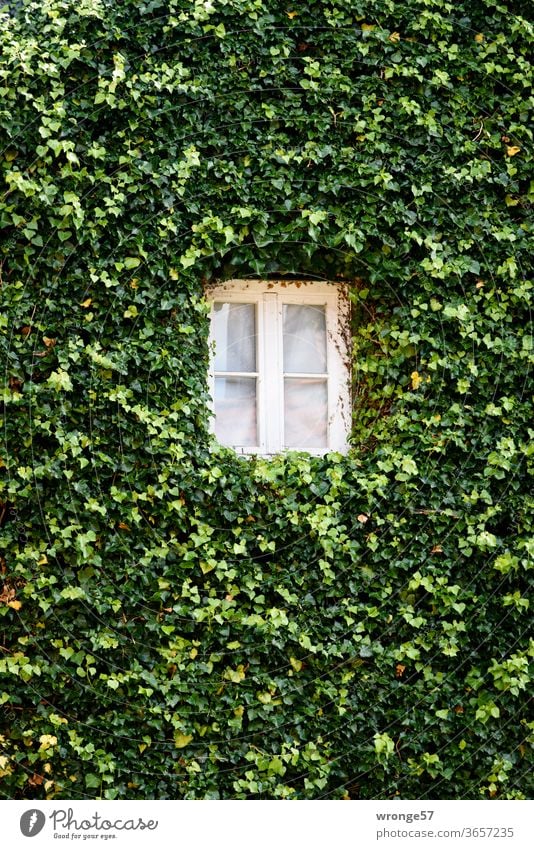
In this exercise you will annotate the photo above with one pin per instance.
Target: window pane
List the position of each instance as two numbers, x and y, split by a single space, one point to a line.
304 338
234 330
305 413
235 411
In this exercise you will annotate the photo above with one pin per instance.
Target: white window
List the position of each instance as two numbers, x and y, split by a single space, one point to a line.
280 366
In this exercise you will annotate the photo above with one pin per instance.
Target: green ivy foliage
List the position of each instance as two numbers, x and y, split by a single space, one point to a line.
181 623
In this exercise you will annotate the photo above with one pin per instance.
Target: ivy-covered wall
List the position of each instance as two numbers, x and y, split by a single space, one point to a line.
177 622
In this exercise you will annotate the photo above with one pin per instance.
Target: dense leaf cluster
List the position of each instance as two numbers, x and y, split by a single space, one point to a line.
181 623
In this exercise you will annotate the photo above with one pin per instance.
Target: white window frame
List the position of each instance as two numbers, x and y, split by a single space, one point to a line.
269 296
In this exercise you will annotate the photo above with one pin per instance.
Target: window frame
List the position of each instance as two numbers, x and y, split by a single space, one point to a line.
269 296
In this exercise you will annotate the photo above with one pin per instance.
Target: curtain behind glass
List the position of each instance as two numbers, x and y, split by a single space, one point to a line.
305 399
304 341
234 331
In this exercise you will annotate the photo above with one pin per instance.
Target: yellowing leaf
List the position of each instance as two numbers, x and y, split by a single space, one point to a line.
60 381
295 663
43 560
368 27
416 380
16 605
47 741
511 201
363 518
182 740
512 150
87 303
235 675
291 15
395 36
5 766
479 37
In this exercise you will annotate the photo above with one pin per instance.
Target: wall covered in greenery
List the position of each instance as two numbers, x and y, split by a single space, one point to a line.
177 622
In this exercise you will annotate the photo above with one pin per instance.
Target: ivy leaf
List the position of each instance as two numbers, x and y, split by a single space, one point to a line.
182 740
416 380
60 381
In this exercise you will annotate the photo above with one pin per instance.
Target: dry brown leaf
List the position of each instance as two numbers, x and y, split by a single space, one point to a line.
8 593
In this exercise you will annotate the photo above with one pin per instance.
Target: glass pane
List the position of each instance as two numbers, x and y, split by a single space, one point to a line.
304 338
234 330
305 413
235 411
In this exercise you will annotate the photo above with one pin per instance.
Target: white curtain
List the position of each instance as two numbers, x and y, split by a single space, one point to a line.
234 329
305 399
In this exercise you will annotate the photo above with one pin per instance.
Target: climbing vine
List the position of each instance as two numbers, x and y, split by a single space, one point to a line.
178 622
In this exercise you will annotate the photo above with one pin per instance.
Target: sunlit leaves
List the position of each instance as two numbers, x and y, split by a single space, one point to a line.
60 381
